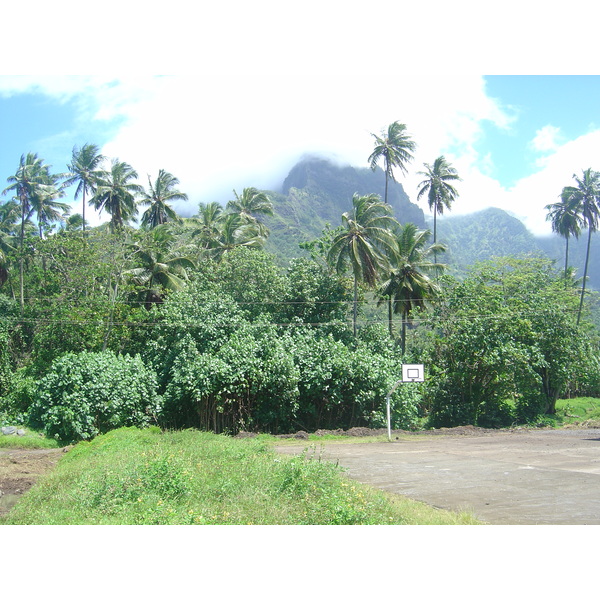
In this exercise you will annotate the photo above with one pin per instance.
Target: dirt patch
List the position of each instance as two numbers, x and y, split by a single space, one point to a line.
20 469
366 432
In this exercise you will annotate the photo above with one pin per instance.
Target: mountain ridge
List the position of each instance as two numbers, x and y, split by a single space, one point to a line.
316 192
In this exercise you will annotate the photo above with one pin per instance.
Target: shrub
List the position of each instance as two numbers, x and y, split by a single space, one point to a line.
16 403
93 392
250 383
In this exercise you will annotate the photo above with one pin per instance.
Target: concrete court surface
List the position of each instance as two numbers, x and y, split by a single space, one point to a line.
517 477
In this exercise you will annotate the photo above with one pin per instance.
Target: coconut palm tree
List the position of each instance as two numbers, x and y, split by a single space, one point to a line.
84 170
157 198
364 243
10 214
234 231
159 268
31 180
206 224
394 147
251 203
585 197
408 284
440 193
566 221
44 203
116 193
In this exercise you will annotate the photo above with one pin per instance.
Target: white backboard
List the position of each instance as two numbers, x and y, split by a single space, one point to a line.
413 373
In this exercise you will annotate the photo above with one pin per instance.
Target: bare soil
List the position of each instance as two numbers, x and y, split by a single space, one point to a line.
20 469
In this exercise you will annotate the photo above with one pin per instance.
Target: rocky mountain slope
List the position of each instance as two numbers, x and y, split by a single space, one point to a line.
316 192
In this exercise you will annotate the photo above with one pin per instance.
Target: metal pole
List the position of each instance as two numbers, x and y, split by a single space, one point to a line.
387 399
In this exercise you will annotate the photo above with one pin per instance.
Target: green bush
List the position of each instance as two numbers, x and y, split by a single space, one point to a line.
343 387
85 394
15 404
250 383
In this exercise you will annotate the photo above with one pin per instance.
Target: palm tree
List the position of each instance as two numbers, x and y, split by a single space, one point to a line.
251 203
44 202
364 243
162 192
207 224
566 221
159 268
235 231
116 193
408 284
30 181
440 193
84 169
394 147
74 222
10 215
586 201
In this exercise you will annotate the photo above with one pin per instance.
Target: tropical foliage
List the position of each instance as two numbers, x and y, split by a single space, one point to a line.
394 148
187 322
438 189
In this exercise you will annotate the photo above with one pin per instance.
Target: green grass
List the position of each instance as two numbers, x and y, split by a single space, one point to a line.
578 411
31 439
132 476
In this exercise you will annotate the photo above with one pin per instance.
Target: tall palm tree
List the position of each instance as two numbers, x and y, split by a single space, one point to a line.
206 225
394 147
9 217
440 193
251 203
157 198
408 285
364 243
160 269
116 193
566 221
84 170
586 199
44 203
31 180
234 231
10 214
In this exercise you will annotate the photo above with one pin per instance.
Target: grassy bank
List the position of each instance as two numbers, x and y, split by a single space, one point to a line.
131 476
31 440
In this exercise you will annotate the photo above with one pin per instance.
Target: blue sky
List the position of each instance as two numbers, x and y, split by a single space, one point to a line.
551 109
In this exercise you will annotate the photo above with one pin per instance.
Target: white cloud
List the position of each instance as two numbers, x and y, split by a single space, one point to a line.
547 139
219 134
528 198
253 86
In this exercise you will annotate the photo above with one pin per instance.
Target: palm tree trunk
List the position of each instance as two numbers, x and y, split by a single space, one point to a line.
21 297
587 260
566 259
83 213
386 186
403 345
355 303
434 232
390 324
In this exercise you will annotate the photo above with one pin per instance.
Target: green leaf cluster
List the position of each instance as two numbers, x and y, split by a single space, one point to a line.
506 346
89 393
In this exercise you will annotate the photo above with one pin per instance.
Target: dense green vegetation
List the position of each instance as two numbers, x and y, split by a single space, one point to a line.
145 477
191 323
